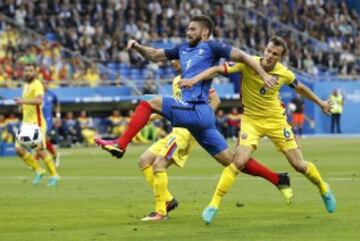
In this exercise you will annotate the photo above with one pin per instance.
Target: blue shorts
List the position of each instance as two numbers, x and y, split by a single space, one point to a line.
199 119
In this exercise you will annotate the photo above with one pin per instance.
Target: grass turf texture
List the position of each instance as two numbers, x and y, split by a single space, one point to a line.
101 198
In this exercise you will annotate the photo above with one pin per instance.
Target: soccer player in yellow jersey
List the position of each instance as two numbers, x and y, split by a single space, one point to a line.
31 104
175 149
264 116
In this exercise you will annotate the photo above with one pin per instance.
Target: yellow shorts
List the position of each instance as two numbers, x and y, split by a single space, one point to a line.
278 131
176 145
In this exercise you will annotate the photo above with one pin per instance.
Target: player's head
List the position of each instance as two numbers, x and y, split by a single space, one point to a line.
274 51
200 28
29 72
176 65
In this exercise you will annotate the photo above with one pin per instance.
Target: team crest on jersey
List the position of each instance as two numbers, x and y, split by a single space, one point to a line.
243 136
201 51
263 90
287 134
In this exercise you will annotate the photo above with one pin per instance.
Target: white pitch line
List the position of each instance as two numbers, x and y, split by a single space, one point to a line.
172 178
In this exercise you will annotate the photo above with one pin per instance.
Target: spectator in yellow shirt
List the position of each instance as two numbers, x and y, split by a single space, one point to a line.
92 76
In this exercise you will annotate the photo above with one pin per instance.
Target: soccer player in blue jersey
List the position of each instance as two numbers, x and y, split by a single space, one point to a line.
51 103
192 111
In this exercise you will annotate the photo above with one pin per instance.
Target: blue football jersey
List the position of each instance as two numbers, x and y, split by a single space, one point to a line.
195 60
50 99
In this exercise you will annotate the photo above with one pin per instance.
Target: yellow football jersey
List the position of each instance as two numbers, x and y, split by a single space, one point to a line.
259 101
175 87
33 113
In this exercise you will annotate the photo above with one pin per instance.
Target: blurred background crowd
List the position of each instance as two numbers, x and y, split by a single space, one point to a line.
322 35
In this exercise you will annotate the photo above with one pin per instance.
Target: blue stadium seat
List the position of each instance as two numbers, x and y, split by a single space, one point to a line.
113 66
124 70
51 37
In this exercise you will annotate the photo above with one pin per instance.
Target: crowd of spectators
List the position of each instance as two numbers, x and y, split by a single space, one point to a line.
100 29
327 21
18 48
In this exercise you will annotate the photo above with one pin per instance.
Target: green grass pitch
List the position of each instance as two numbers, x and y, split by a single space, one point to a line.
101 198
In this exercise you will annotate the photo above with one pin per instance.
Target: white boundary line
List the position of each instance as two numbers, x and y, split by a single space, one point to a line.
356 179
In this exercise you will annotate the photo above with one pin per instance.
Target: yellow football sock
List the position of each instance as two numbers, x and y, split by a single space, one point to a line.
50 165
314 176
149 177
148 174
31 162
160 187
226 180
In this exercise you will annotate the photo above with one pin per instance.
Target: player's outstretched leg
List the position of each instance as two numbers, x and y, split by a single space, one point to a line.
328 197
54 178
138 121
284 187
110 146
38 177
280 180
208 214
160 187
226 180
32 163
171 202
310 171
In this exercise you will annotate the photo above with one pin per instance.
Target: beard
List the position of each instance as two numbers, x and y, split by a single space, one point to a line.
28 78
194 41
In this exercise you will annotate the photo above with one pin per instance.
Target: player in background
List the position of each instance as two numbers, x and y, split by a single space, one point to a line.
31 105
296 107
175 149
51 105
264 116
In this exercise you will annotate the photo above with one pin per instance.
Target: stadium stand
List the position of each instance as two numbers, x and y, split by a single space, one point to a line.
99 30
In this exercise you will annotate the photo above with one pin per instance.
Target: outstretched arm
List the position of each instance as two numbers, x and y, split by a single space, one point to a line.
306 92
238 55
206 75
148 53
214 99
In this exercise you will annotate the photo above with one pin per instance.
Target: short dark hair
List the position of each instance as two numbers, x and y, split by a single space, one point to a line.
279 41
206 21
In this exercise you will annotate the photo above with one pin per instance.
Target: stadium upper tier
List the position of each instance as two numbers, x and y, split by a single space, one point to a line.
97 31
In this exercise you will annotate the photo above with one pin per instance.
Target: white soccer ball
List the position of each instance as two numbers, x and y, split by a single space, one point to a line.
29 136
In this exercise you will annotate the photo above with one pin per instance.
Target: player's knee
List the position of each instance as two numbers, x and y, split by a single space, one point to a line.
159 165
240 159
240 164
19 151
41 153
143 162
155 103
